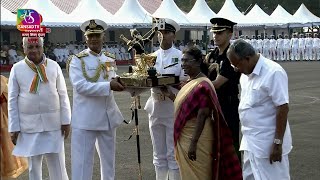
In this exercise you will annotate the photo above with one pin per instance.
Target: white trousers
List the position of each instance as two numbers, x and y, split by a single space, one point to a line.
301 55
286 53
56 166
308 55
279 53
273 54
316 53
260 168
266 52
294 54
83 143
163 143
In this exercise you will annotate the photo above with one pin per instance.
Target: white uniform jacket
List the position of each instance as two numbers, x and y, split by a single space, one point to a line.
94 107
44 111
164 108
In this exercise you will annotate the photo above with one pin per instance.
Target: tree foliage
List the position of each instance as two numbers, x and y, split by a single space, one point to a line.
267 5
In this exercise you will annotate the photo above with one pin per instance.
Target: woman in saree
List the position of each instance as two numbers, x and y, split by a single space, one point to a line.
11 166
203 141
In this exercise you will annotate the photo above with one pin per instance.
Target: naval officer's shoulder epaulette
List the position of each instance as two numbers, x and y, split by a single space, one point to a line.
82 54
110 55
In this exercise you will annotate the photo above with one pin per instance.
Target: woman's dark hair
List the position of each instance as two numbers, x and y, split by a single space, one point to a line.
194 52
198 56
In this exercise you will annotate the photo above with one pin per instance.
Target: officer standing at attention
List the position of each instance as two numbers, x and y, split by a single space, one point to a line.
223 76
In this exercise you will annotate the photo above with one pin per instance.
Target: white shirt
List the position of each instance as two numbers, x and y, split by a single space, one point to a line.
254 43
266 44
273 43
259 43
262 92
280 43
316 43
286 43
294 42
302 43
309 42
164 109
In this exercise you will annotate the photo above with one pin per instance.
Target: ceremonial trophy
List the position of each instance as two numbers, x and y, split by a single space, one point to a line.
143 75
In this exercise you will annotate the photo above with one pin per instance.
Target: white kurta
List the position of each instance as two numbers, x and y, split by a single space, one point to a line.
39 116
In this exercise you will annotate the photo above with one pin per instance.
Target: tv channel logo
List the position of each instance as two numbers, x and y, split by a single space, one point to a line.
28 20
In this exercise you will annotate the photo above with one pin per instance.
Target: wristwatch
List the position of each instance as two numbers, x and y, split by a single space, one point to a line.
277 141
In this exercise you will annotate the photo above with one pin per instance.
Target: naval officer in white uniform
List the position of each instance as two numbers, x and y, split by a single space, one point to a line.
39 111
160 107
95 114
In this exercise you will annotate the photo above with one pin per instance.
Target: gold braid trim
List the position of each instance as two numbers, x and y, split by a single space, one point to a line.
96 76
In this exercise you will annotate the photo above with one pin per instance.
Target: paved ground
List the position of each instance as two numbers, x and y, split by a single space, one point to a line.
304 117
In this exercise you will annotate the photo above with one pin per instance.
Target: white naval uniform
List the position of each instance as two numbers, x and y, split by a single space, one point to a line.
301 50
280 49
160 110
266 48
259 46
262 92
316 49
254 44
273 46
308 51
286 49
95 116
39 117
294 44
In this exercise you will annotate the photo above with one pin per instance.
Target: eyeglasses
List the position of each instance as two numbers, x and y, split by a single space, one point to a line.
236 66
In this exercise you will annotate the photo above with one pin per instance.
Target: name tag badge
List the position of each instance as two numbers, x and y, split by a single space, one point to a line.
174 60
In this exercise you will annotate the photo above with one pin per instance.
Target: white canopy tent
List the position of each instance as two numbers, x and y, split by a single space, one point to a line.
169 9
281 17
305 16
91 9
256 16
51 14
7 17
231 12
132 12
201 13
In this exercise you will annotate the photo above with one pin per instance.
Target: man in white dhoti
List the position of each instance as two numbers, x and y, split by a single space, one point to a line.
39 111
95 114
263 112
